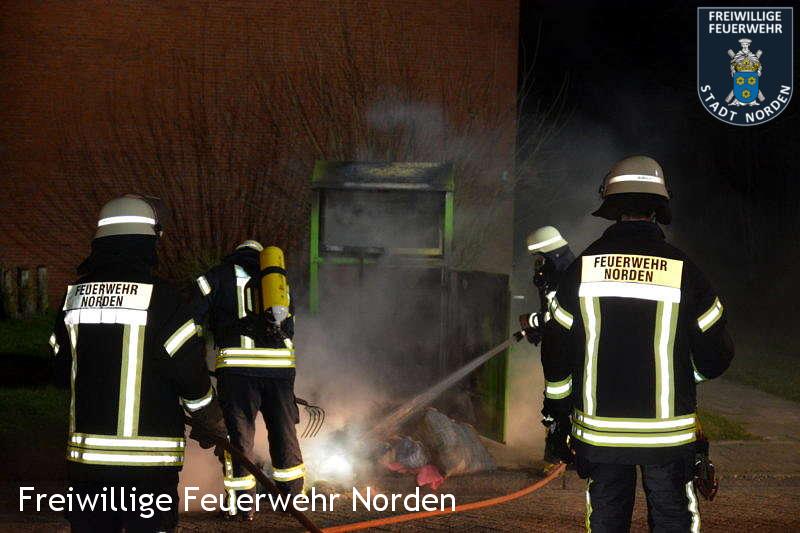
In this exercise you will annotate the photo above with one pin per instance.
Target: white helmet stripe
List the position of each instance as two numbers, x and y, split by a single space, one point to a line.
131 219
636 177
542 244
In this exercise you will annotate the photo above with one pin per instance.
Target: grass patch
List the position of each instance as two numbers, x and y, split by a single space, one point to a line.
717 427
29 412
33 433
27 336
772 373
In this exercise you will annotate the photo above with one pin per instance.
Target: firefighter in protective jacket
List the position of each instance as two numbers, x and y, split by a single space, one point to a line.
636 326
255 363
131 357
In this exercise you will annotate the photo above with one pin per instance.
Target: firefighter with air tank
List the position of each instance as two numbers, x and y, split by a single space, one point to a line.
245 302
635 326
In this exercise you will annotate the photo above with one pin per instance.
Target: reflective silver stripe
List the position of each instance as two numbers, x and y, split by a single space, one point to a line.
636 177
72 329
542 244
289 474
556 390
205 287
131 317
633 439
642 291
195 405
240 483
129 219
690 495
663 346
86 441
635 424
698 377
128 458
53 344
130 380
590 308
255 245
179 338
241 282
710 317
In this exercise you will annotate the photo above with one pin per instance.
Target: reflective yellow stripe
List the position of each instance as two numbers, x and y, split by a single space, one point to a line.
125 457
93 442
179 338
205 286
256 357
710 317
588 505
663 346
647 425
195 405
561 315
590 309
556 390
130 380
255 363
240 483
633 440
257 352
289 474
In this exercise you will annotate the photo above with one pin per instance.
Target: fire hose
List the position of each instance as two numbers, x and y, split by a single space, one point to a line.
380 522
311 526
260 476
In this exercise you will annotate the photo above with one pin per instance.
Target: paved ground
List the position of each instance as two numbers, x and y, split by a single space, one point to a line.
760 485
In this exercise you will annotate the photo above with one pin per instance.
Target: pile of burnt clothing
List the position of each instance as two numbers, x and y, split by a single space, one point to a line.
440 447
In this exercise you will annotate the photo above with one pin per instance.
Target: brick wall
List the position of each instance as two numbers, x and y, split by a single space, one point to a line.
204 103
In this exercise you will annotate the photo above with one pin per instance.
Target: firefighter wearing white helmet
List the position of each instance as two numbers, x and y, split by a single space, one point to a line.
545 239
637 184
245 303
551 256
636 326
131 357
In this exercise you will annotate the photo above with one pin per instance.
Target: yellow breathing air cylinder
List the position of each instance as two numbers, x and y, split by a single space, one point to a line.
274 287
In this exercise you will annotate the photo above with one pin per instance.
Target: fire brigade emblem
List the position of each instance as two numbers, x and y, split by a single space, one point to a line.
745 72
742 89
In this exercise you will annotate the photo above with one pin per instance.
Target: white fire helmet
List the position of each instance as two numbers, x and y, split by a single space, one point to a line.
544 240
128 215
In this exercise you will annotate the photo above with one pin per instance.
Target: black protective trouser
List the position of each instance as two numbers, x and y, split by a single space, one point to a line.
611 491
132 521
242 397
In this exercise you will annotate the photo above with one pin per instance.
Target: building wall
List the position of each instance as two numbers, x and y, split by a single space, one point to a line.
197 101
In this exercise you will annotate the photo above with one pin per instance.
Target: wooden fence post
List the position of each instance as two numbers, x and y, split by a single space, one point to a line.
10 293
27 293
42 300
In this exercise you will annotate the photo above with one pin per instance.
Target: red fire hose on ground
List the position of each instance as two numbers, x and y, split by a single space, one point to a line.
556 472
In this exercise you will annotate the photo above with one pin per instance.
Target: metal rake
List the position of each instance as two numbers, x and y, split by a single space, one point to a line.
316 418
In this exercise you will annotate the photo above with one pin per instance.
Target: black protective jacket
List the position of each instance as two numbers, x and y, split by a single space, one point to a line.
131 357
636 326
225 300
